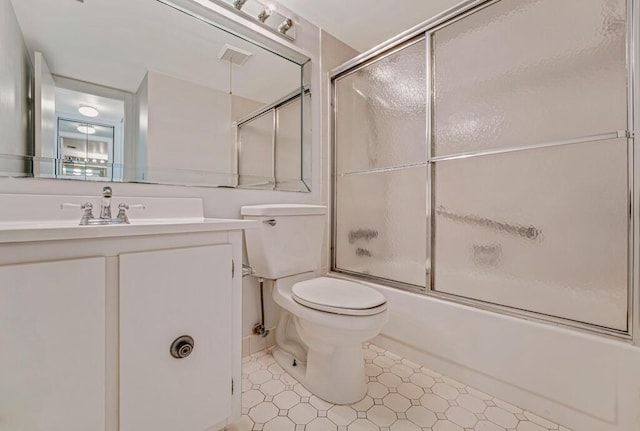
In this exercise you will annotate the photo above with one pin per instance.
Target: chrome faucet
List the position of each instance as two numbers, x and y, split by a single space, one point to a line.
105 207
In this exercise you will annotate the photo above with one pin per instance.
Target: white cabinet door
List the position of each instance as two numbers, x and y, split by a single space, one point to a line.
52 346
164 295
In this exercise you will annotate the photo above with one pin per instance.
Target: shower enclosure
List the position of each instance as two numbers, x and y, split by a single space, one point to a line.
487 158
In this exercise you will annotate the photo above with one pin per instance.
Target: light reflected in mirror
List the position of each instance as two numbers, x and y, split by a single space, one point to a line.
144 92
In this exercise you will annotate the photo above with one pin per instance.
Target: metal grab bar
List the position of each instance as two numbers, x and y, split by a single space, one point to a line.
528 232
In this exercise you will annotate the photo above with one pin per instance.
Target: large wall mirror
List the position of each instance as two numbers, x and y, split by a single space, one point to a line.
147 91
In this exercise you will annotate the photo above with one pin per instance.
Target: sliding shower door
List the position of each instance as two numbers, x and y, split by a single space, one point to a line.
523 205
380 177
530 152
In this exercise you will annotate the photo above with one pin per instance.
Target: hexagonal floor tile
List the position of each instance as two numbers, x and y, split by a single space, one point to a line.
362 425
445 391
286 400
402 396
434 403
372 370
363 405
421 416
446 426
280 423
501 417
396 402
381 415
471 403
302 414
377 390
411 391
461 416
384 361
341 415
389 380
321 424
263 413
404 425
487 426
422 380
259 377
272 387
401 370
530 426
252 398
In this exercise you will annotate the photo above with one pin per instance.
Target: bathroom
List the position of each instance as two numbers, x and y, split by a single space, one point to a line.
211 124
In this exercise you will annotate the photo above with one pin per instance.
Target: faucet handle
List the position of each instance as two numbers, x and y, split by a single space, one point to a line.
122 211
87 207
132 207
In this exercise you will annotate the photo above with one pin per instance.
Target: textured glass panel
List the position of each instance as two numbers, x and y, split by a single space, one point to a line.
380 112
529 71
542 230
255 159
381 224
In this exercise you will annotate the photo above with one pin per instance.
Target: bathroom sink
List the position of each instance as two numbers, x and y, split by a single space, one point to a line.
37 217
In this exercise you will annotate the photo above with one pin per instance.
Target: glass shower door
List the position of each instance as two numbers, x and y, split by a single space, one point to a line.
531 159
379 226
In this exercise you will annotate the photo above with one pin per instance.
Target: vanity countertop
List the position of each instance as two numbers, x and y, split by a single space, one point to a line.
27 218
64 230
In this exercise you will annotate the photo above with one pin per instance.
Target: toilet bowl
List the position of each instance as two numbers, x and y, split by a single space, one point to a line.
331 318
323 320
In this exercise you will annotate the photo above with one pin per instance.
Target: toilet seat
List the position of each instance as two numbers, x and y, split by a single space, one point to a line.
337 296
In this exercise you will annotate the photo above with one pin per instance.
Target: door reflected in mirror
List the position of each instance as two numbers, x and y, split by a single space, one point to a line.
146 92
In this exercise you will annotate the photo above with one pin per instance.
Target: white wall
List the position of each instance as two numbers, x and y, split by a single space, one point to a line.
141 125
189 131
15 80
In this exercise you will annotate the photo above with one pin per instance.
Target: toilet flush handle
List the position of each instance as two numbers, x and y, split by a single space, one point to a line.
270 222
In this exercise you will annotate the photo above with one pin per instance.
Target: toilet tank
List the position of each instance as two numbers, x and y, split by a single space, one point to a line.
288 239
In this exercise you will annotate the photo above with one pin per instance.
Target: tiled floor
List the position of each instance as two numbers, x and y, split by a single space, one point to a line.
401 396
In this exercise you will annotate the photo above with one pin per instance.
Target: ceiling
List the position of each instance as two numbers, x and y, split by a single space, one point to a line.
67 103
363 24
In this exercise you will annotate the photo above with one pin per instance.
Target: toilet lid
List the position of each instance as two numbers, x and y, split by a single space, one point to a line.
339 296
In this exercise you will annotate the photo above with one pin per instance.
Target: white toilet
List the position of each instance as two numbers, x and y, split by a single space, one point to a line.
323 321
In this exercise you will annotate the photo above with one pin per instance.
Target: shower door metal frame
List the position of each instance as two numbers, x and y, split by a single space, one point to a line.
427 29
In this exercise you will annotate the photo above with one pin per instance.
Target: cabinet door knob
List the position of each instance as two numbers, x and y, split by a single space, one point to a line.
182 347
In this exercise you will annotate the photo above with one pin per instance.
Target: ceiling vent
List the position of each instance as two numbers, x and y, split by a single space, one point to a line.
234 55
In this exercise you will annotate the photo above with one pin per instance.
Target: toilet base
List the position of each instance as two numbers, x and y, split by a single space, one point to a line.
336 375
285 360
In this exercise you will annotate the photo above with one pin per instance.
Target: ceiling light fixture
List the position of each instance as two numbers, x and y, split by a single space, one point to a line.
285 26
265 14
88 111
239 3
87 130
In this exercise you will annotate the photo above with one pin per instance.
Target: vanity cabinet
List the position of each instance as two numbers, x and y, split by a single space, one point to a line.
88 316
52 345
159 304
